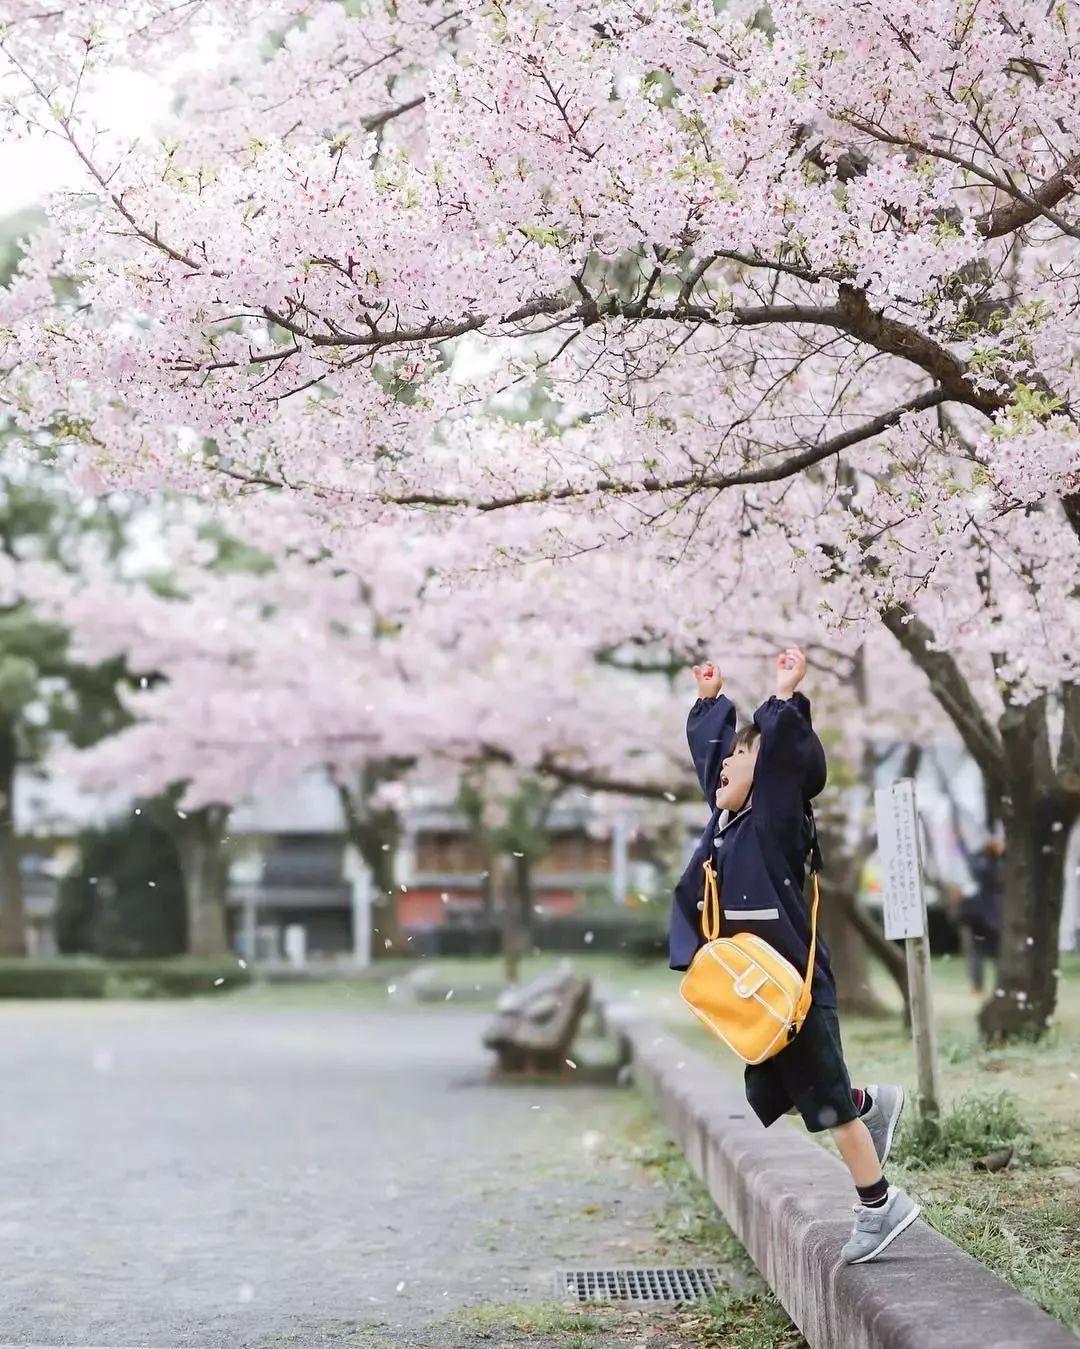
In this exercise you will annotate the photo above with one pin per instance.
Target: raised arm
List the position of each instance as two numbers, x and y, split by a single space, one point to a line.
790 768
710 729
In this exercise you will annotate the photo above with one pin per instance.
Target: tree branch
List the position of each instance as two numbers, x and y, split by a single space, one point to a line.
597 782
380 119
786 468
950 688
1033 203
1023 211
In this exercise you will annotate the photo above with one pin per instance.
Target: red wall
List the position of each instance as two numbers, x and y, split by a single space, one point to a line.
419 908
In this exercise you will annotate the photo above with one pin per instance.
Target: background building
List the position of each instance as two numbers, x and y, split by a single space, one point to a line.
292 871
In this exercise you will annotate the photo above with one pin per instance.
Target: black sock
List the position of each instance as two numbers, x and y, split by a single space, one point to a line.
874 1196
862 1099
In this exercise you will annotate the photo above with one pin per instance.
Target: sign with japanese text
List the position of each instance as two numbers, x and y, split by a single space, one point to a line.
898 855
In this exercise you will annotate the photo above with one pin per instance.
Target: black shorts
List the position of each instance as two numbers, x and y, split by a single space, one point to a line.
809 1074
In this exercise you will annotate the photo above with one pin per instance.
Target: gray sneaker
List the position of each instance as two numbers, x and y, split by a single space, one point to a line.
876 1228
883 1117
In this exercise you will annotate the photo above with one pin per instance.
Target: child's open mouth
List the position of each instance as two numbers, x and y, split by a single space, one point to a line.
723 780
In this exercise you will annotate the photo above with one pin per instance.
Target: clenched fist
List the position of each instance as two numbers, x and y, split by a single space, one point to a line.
709 679
790 669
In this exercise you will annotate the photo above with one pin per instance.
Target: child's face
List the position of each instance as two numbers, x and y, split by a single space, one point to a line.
737 777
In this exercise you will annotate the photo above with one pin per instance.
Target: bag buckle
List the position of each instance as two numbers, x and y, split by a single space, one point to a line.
746 985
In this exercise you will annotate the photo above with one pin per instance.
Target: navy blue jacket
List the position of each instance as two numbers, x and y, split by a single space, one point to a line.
760 854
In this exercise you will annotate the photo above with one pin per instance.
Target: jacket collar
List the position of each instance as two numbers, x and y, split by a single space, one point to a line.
727 819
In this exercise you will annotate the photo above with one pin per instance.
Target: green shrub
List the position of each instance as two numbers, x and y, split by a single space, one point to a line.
125 898
23 978
180 977
976 1125
89 977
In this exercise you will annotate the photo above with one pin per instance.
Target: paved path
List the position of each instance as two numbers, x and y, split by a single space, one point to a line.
209 1176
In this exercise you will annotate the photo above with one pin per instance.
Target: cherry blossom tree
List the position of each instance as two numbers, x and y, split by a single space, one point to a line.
797 290
261 670
258 672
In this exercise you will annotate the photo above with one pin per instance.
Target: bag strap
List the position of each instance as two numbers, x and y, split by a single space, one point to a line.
816 862
710 914
804 996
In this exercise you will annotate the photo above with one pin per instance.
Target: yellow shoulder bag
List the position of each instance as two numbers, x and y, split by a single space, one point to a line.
744 991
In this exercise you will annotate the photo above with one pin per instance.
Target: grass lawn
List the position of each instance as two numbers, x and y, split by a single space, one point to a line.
1024 1221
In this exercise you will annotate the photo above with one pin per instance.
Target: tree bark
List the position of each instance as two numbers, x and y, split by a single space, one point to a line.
846 939
890 955
523 894
855 995
1039 807
12 906
487 880
375 831
513 938
203 865
1038 793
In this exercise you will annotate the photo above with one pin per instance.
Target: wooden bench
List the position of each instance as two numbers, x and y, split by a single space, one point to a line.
535 1023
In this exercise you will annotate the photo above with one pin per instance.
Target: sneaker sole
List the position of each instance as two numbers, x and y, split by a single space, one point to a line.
900 1227
892 1127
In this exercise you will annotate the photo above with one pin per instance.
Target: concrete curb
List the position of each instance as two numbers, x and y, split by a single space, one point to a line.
789 1202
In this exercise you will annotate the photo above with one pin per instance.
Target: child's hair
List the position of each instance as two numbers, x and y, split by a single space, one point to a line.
747 738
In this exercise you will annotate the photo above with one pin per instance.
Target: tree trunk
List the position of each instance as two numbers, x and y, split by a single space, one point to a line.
847 945
523 894
513 943
855 994
487 879
12 907
378 847
889 953
1038 808
375 831
202 862
1037 788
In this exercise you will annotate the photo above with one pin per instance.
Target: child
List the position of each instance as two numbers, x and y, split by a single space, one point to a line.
760 781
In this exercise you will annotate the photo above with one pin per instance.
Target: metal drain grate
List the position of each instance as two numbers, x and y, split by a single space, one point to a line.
640 1285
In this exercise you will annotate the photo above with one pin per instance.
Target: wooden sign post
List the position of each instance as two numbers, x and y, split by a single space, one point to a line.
905 919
